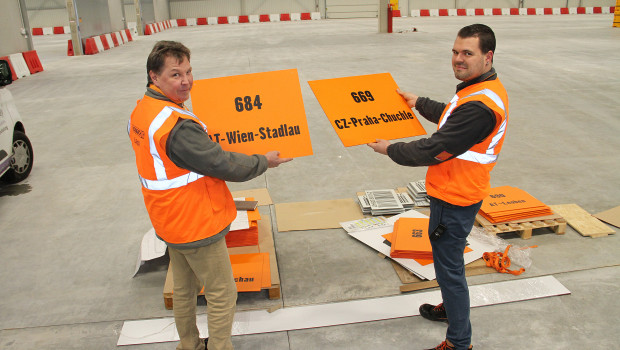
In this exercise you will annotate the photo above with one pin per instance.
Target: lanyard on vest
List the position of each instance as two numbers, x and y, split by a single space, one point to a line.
162 182
489 156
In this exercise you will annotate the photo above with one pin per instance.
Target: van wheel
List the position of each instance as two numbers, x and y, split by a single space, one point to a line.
21 164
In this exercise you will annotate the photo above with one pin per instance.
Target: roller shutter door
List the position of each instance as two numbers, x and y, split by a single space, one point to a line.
351 8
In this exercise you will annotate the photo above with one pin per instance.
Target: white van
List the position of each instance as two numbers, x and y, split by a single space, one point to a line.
16 155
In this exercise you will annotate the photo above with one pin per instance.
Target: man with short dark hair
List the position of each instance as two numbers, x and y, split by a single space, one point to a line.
460 156
183 176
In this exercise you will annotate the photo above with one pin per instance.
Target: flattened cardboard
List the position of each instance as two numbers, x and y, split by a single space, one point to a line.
246 205
259 194
266 273
266 245
248 249
611 216
316 215
411 282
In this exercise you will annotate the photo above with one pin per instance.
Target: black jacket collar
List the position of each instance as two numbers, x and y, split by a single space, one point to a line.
490 75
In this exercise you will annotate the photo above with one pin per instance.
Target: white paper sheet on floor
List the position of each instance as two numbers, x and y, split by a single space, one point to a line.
373 239
339 313
151 248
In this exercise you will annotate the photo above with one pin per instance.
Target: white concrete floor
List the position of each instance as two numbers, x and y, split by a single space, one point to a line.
71 232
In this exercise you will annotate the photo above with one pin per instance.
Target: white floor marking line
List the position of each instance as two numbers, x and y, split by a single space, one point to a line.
323 315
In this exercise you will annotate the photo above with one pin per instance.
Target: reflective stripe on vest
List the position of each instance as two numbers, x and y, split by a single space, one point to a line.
160 185
162 182
489 156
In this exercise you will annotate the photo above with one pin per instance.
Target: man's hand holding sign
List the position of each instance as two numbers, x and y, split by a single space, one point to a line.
381 145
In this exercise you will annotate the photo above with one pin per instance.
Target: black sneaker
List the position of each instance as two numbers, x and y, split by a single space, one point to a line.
434 313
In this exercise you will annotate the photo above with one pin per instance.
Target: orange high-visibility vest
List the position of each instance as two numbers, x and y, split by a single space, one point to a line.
183 206
465 179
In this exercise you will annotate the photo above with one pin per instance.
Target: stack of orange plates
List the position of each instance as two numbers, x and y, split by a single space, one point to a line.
410 239
245 237
508 203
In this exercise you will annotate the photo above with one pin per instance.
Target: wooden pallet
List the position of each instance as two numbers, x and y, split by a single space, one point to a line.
524 227
412 283
265 244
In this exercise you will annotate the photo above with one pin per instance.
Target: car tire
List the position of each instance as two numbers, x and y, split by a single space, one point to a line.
22 161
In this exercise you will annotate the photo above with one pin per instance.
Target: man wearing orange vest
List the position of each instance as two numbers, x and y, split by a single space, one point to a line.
183 174
460 156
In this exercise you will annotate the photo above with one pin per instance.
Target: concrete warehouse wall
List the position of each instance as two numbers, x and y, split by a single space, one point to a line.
466 4
11 27
51 13
162 10
201 8
47 13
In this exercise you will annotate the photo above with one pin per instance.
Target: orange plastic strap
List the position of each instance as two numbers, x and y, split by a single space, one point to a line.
501 262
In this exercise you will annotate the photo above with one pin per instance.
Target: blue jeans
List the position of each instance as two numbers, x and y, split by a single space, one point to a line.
450 266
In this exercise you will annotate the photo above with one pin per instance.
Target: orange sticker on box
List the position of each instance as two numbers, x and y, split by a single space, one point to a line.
254 113
364 108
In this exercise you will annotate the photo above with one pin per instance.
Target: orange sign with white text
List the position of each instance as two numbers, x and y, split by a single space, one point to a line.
254 113
364 108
